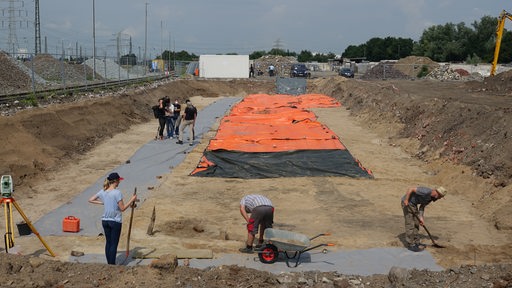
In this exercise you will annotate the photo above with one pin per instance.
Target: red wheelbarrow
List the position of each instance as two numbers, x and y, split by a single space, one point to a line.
290 244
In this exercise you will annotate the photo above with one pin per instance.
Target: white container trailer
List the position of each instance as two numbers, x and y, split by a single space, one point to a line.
224 66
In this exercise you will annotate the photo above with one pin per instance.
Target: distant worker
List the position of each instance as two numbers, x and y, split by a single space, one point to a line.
251 71
271 70
262 216
415 196
111 220
188 120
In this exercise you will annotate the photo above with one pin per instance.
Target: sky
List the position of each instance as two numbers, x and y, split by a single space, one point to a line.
228 26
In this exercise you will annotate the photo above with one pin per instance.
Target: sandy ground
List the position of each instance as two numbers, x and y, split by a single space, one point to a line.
408 133
202 213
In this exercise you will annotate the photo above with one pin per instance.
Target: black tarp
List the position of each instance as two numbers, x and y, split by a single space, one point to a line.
257 165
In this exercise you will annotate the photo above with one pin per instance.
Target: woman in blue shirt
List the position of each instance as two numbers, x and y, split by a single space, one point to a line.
112 200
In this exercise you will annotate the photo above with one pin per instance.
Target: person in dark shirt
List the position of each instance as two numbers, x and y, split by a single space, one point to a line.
161 119
177 117
417 196
189 120
251 71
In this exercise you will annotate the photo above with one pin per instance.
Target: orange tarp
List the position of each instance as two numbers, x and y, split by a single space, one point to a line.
274 123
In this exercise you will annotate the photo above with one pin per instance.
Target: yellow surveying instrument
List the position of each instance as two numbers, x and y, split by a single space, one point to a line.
6 190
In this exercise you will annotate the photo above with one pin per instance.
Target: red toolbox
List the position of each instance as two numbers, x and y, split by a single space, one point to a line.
71 224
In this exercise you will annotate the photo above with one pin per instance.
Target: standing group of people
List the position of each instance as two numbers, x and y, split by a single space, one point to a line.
173 122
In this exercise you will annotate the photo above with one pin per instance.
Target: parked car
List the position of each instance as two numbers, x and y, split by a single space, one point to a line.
299 70
346 72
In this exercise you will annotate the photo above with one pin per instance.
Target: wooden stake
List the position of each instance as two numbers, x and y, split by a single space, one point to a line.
152 222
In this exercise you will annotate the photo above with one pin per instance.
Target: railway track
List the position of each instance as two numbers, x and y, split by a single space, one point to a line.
41 94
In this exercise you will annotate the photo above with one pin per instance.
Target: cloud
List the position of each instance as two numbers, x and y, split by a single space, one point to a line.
65 25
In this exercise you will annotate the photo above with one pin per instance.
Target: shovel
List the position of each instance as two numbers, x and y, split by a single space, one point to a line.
434 244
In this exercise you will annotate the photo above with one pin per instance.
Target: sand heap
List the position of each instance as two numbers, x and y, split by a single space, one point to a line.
412 65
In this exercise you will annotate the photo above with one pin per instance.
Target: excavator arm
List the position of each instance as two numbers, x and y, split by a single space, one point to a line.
499 34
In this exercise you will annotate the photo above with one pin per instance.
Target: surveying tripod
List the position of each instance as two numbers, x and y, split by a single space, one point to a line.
8 202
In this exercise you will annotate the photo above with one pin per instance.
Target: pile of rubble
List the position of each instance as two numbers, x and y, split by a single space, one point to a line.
384 70
281 63
444 73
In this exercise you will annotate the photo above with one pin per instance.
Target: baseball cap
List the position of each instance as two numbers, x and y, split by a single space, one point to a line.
441 190
114 176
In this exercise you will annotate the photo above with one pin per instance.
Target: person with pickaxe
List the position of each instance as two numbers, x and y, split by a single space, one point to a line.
417 196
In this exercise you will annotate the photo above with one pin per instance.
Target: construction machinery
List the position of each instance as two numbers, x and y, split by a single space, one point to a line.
499 34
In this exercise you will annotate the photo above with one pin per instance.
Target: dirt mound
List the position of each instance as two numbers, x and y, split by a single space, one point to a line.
22 271
452 126
500 83
413 65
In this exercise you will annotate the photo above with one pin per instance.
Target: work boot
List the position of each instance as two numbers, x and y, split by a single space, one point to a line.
415 248
246 249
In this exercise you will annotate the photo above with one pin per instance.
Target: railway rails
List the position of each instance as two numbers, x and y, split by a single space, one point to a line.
40 94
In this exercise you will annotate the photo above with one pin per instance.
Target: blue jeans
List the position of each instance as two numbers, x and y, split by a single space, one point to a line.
169 126
112 231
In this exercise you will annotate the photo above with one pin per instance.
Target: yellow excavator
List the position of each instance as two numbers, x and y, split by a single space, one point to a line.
499 34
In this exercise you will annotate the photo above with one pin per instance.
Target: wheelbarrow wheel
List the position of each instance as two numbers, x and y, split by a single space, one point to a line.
268 254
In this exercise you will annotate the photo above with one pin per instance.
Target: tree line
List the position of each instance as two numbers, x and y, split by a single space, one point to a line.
442 43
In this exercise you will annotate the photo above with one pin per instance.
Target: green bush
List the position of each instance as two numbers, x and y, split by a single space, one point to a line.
423 72
30 101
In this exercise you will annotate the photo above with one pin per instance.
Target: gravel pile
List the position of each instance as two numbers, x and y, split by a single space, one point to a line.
12 77
56 71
